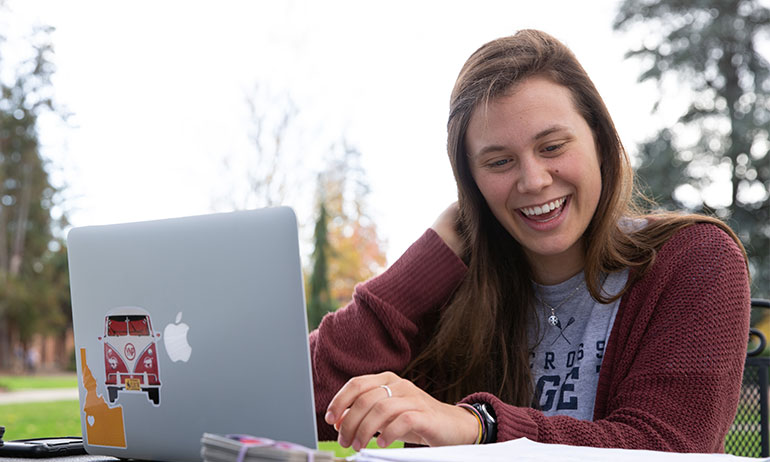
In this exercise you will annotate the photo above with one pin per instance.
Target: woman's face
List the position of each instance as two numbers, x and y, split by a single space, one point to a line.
534 159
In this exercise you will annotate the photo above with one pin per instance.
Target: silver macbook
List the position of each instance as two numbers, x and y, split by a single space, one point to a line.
190 325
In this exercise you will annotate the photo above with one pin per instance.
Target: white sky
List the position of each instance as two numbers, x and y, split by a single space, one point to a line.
157 89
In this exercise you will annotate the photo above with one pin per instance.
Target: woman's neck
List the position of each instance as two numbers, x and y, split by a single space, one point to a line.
553 269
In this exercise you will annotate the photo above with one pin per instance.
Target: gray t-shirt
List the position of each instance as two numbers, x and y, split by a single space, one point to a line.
566 358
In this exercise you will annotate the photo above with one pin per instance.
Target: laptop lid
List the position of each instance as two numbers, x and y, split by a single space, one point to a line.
190 325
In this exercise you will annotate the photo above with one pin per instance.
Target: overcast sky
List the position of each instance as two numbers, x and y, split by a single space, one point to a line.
157 91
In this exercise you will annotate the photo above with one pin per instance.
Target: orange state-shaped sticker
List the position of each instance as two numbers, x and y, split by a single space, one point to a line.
104 423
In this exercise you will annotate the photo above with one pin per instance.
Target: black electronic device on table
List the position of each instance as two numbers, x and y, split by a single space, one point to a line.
42 447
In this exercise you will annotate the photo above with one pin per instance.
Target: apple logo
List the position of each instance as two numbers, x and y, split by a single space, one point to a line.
175 340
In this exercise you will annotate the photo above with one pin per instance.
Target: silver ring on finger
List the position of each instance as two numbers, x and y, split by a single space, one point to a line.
388 390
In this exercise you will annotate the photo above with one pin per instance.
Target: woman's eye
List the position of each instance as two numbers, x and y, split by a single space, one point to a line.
500 163
553 147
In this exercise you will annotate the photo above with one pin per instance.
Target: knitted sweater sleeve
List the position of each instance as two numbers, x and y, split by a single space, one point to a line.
672 370
380 329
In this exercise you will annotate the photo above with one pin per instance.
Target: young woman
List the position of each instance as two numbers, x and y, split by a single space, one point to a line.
541 304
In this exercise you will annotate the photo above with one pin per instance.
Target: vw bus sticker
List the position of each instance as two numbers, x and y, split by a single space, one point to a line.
130 354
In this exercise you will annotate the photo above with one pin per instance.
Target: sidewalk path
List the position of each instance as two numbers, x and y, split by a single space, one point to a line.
28 396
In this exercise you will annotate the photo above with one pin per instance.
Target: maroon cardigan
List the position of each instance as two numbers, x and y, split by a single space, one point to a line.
672 369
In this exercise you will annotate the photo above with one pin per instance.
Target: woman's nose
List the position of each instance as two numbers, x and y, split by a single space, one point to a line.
534 175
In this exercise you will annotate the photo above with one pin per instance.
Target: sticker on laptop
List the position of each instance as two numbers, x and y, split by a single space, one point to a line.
130 354
104 423
175 340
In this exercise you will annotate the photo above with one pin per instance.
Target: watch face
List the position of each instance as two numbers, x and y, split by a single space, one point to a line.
486 411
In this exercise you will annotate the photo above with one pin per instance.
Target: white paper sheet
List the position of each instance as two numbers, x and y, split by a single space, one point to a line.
524 450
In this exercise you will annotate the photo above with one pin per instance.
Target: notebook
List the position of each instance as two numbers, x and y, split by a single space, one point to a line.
190 325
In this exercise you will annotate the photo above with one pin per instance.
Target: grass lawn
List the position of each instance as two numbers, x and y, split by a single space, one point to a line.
27 382
37 420
62 418
746 444
339 451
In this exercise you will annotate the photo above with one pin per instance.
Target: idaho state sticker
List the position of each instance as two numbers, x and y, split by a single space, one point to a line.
104 423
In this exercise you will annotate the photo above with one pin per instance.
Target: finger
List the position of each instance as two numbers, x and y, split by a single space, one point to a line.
350 392
407 426
339 422
378 417
362 406
346 396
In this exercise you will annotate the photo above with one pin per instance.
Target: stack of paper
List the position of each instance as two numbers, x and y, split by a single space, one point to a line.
219 448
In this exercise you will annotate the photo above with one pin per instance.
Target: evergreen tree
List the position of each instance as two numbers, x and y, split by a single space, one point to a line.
319 297
708 48
347 248
28 301
358 251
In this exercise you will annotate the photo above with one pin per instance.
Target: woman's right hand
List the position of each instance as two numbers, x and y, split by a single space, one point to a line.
446 227
399 410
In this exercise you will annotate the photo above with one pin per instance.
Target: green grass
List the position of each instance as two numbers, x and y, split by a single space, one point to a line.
746 445
37 420
339 451
62 418
747 418
28 382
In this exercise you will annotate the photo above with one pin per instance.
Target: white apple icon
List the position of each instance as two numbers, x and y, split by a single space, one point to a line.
175 340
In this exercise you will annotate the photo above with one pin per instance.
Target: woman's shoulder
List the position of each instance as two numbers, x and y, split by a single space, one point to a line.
671 232
703 236
700 247
700 261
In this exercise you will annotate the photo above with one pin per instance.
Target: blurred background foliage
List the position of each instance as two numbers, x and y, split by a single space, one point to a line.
701 54
704 58
34 288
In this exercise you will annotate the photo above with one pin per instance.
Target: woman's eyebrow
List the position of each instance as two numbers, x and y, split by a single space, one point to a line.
548 131
490 148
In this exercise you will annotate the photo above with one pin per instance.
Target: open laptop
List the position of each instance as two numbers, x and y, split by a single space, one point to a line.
190 325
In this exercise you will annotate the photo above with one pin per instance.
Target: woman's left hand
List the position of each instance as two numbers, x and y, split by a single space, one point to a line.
364 407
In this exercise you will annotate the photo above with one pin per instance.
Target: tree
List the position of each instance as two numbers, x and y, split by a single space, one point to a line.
346 246
708 49
347 249
358 252
268 173
319 296
29 300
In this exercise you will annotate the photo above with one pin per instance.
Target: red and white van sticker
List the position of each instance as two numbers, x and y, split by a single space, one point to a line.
130 354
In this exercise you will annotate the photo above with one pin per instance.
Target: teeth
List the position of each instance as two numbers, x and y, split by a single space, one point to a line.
545 208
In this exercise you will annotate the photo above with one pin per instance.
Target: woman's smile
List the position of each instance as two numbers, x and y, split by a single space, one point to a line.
545 212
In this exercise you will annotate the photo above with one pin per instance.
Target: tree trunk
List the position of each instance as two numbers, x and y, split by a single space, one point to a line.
732 93
5 343
22 214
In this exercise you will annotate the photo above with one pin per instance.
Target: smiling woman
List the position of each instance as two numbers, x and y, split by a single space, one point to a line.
542 304
531 149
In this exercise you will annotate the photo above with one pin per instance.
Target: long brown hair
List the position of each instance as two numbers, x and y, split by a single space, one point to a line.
481 341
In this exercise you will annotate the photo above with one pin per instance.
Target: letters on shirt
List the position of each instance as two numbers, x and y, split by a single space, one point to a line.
556 392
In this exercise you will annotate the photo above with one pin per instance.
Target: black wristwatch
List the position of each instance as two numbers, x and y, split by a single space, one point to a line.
490 422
